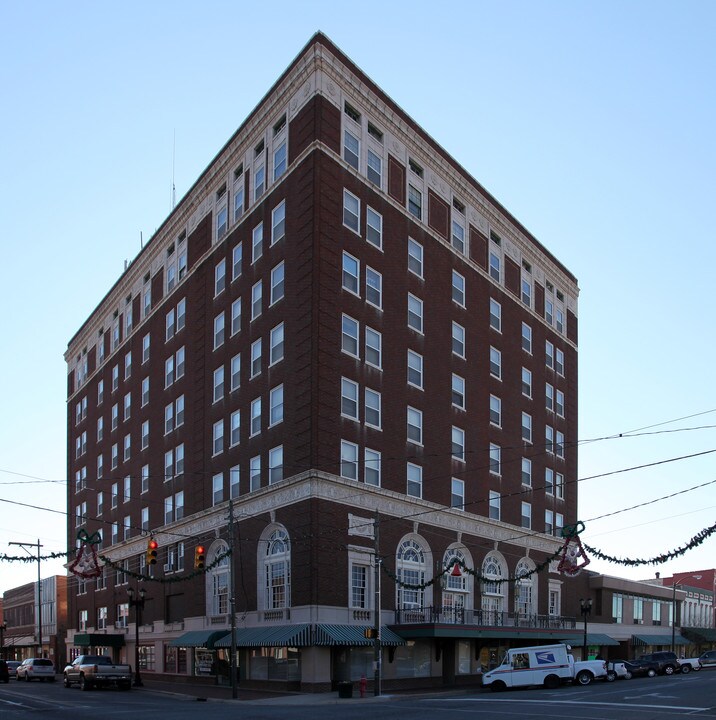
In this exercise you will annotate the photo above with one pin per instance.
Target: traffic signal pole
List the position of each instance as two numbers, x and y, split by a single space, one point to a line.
232 604
376 609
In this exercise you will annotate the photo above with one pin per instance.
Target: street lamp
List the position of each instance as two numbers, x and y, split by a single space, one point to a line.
138 604
585 609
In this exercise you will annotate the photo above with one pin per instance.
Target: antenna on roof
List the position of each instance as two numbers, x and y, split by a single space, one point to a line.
174 189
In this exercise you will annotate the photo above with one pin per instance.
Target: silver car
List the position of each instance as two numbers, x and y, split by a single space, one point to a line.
36 669
708 659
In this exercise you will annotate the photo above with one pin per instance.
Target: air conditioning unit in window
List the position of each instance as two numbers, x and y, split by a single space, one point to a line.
168 567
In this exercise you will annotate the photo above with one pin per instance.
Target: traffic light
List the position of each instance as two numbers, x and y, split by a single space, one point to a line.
369 633
152 546
199 557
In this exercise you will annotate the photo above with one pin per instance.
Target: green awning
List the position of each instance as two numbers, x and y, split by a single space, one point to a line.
199 638
354 635
658 640
700 634
592 639
99 640
274 636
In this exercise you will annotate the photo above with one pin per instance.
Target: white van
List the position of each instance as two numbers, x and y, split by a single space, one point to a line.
548 665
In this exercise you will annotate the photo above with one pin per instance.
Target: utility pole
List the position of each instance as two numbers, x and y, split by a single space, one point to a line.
376 608
24 546
232 604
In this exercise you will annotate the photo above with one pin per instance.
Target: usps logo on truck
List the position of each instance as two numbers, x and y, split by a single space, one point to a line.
545 658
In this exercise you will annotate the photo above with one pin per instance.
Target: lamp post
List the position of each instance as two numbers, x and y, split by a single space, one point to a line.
585 609
138 604
3 628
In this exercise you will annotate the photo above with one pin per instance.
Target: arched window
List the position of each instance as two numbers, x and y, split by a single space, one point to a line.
411 569
525 587
217 579
493 591
456 595
277 570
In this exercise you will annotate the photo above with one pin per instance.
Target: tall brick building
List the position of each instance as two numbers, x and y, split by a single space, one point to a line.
337 323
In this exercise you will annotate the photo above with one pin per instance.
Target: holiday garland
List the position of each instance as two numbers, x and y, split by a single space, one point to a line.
164 580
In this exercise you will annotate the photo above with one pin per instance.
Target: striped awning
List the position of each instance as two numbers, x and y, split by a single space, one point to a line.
199 638
700 634
354 635
274 636
658 640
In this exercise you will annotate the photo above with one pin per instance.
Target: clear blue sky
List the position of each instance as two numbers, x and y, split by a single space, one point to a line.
592 122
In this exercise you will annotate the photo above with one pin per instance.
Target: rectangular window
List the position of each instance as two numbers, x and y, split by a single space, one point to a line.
374 227
549 311
560 321
495 363
458 237
495 315
256 358
526 292
457 494
458 340
415 426
549 354
559 485
414 480
415 369
415 313
526 383
359 586
219 328
549 522
495 267
549 439
526 471
275 458
373 287
527 338
458 288
495 459
276 344
235 423
526 515
255 473
495 410
217 488
415 257
415 202
351 149
237 259
145 434
219 277
115 377
100 392
559 403
374 170
526 427
458 443
145 348
349 460
256 300
559 362
278 223
560 444
234 481
494 505
279 161
549 481
169 418
235 316
257 242
236 372
276 405
372 408
549 397
373 347
372 467
238 193
127 365
100 428
145 478
259 180
218 383
351 273
349 399
349 338
218 437
255 417
221 222
458 391
127 447
351 211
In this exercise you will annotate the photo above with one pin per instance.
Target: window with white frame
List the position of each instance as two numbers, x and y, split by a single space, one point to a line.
495 459
457 493
128 365
549 481
526 291
234 481
276 405
219 330
526 382
259 181
351 274
349 336
256 358
458 443
549 522
280 157
221 221
373 347
255 428
371 467
349 460
415 369
219 383
559 403
238 193
237 260
349 399
415 202
549 397
277 282
495 410
458 340
495 363
549 354
527 338
255 473
373 287
495 315
278 222
145 391
458 391
218 437
415 425
374 227
257 242
458 288
145 434
458 236
235 316
219 277
236 372
495 266
415 257
372 414
415 313
526 427
559 362
526 471
275 458
277 570
549 439
359 586
414 477
235 428
217 488
374 169
276 344
411 568
144 478
494 502
351 211
256 299
351 149
559 444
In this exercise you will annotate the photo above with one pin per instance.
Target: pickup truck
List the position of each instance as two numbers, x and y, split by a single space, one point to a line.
689 664
90 671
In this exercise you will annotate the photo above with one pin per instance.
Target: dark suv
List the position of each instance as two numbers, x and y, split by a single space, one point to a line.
667 662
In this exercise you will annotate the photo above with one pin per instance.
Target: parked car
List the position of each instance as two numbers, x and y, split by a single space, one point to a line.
667 662
617 669
36 669
12 666
639 668
4 674
689 664
708 659
90 671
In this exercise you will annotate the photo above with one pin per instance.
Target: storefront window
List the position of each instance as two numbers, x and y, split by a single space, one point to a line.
275 664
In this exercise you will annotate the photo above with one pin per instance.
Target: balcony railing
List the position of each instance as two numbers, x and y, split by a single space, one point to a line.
481 618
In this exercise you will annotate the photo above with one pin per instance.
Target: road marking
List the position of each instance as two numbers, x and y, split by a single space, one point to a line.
10 702
577 702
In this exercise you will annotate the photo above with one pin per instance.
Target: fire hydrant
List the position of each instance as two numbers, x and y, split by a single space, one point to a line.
363 685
